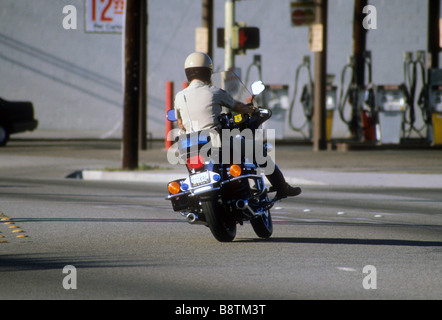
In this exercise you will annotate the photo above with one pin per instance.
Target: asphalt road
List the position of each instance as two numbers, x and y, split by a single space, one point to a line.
126 243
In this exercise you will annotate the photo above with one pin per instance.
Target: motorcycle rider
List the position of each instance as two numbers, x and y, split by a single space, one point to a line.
199 105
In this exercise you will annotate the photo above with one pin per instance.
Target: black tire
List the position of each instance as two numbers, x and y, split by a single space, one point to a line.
4 136
222 227
263 225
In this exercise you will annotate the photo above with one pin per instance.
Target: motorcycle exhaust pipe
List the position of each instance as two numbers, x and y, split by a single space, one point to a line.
192 218
244 206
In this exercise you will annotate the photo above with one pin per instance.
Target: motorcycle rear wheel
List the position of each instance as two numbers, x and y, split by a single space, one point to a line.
222 228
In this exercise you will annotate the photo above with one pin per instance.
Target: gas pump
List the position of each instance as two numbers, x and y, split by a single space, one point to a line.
363 119
409 86
275 98
331 103
256 63
352 96
390 101
435 107
306 100
369 116
388 111
367 105
330 106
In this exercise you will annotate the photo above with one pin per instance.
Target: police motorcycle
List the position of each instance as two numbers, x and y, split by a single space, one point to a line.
217 193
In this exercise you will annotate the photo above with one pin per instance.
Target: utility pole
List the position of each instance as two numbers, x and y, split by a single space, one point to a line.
207 22
359 41
143 75
131 86
433 32
359 50
320 88
229 54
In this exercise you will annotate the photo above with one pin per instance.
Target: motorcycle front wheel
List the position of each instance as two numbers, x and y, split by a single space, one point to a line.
263 225
222 227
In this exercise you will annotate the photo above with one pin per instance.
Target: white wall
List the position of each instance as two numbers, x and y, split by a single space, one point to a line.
74 78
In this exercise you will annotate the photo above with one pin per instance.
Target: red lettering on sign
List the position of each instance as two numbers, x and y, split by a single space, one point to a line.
94 10
103 14
119 7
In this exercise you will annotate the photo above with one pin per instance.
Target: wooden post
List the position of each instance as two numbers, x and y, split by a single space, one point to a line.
207 22
143 75
131 86
434 32
359 42
320 89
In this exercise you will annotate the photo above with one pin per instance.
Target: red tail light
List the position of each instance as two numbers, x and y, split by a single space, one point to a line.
195 162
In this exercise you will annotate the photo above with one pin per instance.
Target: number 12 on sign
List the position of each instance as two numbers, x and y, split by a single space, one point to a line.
104 16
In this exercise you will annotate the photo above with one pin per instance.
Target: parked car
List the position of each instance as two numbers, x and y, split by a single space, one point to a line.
15 117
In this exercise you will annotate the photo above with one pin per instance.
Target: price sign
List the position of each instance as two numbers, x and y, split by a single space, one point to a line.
104 16
316 37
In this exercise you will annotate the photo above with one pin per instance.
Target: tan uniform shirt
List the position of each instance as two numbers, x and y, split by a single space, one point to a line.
199 105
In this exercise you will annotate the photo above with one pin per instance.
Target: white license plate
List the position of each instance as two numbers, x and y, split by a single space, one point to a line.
200 179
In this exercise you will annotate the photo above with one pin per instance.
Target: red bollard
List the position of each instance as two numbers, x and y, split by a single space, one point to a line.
169 106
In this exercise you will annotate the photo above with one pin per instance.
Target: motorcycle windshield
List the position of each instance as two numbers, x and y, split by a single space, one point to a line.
230 82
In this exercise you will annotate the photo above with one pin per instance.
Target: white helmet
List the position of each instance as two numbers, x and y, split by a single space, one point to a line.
198 60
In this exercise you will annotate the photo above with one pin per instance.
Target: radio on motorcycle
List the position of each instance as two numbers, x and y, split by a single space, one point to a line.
218 193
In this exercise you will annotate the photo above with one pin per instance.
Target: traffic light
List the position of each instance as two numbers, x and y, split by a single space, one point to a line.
243 38
248 38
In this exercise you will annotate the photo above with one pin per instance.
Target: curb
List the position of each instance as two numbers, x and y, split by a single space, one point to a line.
294 177
156 177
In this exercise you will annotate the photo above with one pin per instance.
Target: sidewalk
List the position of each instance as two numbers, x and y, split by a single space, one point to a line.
294 177
52 158
304 167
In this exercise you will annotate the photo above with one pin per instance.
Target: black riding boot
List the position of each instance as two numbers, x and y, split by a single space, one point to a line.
283 189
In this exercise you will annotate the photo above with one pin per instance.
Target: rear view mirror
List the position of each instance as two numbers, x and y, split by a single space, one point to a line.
257 88
171 115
